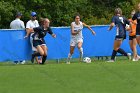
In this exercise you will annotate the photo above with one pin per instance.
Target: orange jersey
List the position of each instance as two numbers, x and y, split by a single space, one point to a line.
134 23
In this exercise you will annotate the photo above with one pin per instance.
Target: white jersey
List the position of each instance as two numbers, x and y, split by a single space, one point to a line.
77 28
75 39
32 24
17 24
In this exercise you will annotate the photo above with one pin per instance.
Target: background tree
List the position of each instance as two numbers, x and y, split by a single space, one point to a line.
61 12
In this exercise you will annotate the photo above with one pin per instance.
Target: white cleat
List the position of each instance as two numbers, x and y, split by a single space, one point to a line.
67 62
138 57
134 59
23 62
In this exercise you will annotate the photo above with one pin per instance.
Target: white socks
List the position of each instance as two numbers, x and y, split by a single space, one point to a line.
81 53
69 57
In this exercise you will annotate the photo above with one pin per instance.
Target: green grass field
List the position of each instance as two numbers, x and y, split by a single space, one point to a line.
123 76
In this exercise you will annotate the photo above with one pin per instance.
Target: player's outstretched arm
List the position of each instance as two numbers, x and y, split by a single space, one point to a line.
111 26
92 31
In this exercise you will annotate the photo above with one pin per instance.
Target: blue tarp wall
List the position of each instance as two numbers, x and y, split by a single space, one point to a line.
13 46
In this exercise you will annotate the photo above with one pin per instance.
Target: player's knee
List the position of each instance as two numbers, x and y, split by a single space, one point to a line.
116 49
45 54
79 47
42 53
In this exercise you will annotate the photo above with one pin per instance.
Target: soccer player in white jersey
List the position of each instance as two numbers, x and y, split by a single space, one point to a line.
77 37
32 23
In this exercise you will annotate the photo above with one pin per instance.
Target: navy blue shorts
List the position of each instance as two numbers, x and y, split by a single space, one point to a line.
120 37
38 42
138 31
132 37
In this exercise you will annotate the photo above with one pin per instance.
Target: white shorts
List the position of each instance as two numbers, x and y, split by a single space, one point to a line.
75 41
31 41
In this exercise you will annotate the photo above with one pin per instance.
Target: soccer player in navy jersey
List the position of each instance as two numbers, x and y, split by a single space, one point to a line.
120 22
38 39
137 17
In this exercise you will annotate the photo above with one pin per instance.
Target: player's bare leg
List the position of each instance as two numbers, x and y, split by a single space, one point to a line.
81 51
133 44
39 53
138 40
70 54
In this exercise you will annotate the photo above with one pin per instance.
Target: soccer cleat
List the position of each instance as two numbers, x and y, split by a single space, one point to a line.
110 61
67 62
16 62
138 57
134 59
23 62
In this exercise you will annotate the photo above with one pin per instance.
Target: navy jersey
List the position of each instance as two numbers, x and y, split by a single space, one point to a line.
137 17
120 23
40 33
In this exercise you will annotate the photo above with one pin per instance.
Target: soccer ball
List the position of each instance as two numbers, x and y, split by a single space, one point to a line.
87 60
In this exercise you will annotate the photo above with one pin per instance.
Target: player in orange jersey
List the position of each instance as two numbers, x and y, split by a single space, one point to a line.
132 37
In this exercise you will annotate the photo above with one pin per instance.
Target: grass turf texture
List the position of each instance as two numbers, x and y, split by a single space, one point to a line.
97 77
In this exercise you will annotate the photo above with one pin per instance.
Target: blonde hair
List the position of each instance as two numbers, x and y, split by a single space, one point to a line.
43 20
46 19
